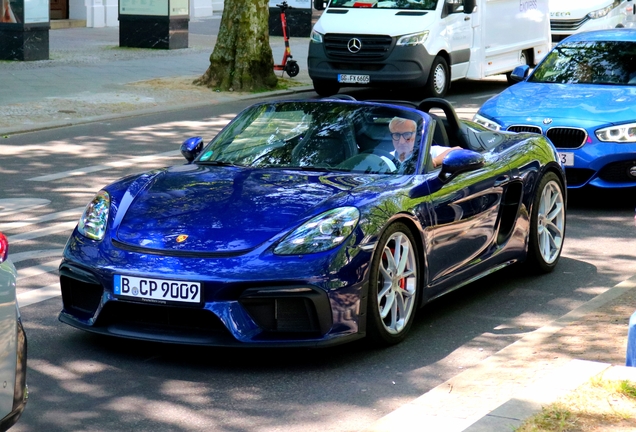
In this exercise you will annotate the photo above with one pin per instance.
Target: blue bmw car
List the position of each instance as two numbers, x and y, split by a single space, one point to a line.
582 96
297 225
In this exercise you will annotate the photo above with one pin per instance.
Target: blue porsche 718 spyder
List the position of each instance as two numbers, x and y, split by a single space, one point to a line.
310 223
582 96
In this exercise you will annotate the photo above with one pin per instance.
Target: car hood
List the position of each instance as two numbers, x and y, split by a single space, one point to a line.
355 21
580 104
573 9
194 208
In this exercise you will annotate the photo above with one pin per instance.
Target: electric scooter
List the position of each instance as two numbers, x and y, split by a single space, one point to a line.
288 65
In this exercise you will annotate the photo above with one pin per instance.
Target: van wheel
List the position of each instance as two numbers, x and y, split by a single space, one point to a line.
438 79
393 286
326 88
524 60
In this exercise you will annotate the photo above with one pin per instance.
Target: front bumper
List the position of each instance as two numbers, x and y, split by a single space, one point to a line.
401 66
254 300
602 165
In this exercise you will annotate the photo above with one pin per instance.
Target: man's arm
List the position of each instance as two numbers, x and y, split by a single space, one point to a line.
438 156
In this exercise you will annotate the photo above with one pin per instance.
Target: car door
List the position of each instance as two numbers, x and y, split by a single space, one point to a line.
462 220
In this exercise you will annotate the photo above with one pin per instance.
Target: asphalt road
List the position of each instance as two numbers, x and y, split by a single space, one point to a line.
83 382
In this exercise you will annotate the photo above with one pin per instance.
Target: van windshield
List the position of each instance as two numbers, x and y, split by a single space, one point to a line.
596 62
427 5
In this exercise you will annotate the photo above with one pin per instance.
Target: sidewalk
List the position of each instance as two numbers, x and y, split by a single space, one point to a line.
89 78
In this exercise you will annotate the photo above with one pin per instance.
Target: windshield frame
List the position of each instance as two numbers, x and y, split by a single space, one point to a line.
297 143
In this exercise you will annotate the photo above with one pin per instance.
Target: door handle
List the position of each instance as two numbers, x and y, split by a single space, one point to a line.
466 18
501 180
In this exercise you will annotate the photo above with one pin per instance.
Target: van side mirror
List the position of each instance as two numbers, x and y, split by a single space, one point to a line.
319 5
191 148
520 73
469 6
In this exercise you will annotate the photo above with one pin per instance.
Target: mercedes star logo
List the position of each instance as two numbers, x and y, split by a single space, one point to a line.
354 45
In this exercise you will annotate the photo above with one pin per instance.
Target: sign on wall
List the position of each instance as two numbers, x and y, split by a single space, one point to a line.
144 7
36 11
24 11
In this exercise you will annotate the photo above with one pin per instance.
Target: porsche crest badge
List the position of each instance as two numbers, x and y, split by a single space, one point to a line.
181 238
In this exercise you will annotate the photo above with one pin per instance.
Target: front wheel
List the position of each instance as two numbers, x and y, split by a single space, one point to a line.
393 286
547 224
438 79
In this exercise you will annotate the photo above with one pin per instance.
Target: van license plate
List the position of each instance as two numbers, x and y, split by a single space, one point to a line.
353 79
567 159
157 289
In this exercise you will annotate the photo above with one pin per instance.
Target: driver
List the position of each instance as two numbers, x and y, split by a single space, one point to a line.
403 133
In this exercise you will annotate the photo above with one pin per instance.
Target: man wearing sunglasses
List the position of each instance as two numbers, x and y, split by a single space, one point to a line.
403 133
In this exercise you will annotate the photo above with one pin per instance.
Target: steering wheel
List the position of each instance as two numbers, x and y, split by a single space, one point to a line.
385 155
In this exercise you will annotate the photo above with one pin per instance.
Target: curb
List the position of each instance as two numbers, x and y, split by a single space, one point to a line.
484 399
4 132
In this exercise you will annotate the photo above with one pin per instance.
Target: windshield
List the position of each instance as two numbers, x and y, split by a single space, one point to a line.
612 63
320 136
427 5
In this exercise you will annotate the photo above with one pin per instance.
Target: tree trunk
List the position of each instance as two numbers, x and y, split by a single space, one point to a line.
242 57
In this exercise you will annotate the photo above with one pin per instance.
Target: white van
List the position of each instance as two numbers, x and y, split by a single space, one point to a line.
424 44
572 16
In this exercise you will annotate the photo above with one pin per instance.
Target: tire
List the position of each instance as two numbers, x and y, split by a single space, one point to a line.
393 293
326 88
438 79
292 68
547 225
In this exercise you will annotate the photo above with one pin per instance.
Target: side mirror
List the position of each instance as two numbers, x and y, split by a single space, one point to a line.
191 148
520 73
459 161
469 6
319 5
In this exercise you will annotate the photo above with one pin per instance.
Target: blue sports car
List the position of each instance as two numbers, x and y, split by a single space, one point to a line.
302 224
582 96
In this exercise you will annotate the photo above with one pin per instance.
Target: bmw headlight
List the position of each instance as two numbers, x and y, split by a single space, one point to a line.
621 133
315 37
600 13
413 39
324 232
486 122
93 222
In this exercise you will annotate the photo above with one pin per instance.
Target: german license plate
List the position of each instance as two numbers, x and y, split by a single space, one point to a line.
157 289
353 79
567 159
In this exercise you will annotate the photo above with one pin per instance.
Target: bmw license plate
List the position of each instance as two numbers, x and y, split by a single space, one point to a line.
354 79
157 289
567 159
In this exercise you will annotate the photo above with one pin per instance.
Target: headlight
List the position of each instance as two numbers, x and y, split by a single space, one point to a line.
324 232
93 222
622 133
600 13
490 124
315 37
413 39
